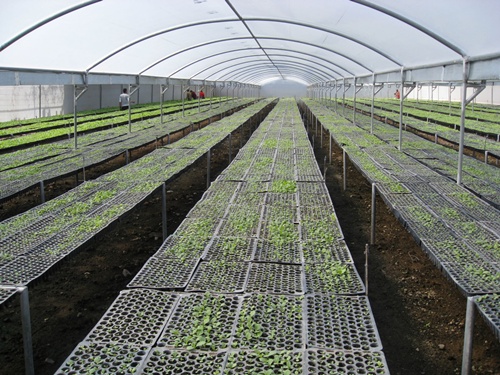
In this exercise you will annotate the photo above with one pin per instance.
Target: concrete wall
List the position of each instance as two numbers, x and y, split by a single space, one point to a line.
490 95
23 102
20 102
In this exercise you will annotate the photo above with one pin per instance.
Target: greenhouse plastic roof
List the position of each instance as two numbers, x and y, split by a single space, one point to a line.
250 41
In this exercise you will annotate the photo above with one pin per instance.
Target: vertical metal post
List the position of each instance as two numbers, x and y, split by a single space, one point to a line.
462 124
42 192
321 137
485 157
129 109
330 153
373 218
164 210
324 169
39 101
373 105
345 168
26 323
468 337
367 253
127 157
75 121
83 169
230 148
401 98
208 167
354 102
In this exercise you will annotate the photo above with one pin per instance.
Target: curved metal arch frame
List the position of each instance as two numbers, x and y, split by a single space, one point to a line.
259 49
46 21
180 27
413 24
250 56
247 61
250 38
240 74
266 75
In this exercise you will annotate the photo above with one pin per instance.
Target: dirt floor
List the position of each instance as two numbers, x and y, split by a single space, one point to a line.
419 313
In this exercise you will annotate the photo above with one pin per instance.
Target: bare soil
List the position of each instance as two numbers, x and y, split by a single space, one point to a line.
419 313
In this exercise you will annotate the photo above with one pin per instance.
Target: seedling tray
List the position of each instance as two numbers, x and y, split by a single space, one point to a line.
267 251
270 322
474 278
316 188
136 317
341 322
489 307
320 251
26 268
240 221
6 294
333 278
344 362
179 362
101 359
264 362
230 249
308 200
182 247
163 273
201 322
220 276
275 278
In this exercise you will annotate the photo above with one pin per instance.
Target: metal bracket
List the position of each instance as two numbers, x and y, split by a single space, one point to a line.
411 88
478 88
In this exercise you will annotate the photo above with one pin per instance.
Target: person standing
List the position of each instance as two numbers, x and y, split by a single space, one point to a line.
202 94
124 99
397 95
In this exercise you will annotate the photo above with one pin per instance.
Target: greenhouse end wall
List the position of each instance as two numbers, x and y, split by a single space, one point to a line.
24 102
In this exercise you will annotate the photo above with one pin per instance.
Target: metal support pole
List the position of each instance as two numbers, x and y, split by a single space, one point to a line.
76 96
367 253
324 169
208 167
401 98
321 137
127 157
163 89
345 169
26 322
486 157
373 218
373 105
468 337
83 169
330 153
230 148
42 192
164 210
462 124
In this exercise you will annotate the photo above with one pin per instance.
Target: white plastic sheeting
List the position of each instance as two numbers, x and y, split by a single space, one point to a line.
246 41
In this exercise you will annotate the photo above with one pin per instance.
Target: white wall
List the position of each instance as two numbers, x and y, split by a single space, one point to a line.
23 102
283 88
20 102
490 95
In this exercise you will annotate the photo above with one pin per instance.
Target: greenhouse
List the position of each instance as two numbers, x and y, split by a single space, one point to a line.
249 187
